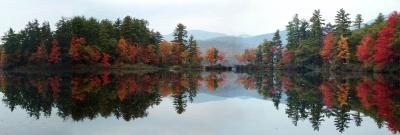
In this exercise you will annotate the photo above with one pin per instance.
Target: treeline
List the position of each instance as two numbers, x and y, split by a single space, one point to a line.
345 45
88 41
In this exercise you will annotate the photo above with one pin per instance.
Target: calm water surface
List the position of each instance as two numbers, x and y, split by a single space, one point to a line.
198 104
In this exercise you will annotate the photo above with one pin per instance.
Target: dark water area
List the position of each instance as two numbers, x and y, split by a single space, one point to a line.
203 103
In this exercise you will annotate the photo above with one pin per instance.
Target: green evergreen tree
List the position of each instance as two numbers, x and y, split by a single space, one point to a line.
180 35
379 19
317 32
293 33
358 21
107 40
192 49
277 43
342 23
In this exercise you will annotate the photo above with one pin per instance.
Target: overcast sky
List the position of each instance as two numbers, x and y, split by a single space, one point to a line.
227 16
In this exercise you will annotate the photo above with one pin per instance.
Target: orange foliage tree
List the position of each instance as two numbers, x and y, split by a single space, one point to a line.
185 56
40 55
326 51
175 53
212 56
165 51
75 46
365 50
122 50
250 55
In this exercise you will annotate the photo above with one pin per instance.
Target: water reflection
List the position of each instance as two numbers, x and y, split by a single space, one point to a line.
311 97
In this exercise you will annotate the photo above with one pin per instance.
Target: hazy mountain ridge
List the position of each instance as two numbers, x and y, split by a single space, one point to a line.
227 44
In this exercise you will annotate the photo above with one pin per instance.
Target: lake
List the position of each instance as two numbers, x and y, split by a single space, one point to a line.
199 103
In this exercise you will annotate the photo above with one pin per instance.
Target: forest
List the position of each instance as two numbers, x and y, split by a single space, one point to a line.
82 42
345 45
311 45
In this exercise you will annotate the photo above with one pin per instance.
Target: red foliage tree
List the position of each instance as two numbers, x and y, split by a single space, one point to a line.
95 56
328 95
365 49
133 53
384 53
383 92
287 83
75 46
106 59
55 86
221 58
363 90
287 56
106 78
54 56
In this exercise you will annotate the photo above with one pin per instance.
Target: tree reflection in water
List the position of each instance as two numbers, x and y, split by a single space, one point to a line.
311 97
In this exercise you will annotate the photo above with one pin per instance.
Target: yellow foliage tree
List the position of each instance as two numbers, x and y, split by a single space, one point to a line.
343 93
343 50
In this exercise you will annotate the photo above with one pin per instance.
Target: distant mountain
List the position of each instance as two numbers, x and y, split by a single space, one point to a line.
198 34
230 45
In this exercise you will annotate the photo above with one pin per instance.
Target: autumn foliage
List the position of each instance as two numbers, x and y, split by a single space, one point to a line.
343 50
327 49
287 56
365 50
212 56
54 56
75 46
40 55
106 60
384 51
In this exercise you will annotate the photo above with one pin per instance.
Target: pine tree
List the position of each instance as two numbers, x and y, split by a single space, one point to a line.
342 23
180 35
277 44
192 47
316 28
358 21
304 31
379 19
293 33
